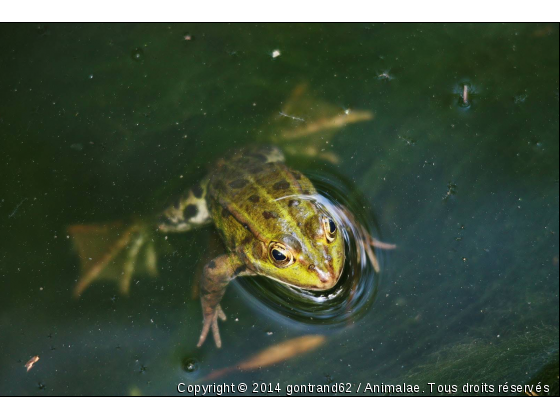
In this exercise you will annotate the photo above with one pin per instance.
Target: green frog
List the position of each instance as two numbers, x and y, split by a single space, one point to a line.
270 219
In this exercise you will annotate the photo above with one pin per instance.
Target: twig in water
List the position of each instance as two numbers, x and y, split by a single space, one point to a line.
291 116
16 209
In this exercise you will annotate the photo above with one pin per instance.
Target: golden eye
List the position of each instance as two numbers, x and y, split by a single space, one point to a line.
329 226
280 255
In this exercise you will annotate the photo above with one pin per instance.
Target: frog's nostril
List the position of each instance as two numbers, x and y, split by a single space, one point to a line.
321 274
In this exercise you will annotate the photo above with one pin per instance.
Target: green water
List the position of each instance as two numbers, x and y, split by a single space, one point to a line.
99 122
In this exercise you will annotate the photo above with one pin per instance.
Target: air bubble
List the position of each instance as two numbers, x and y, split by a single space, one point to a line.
190 365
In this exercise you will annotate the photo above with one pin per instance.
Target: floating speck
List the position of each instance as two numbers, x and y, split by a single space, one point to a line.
519 99
465 93
43 30
137 54
385 75
409 141
451 190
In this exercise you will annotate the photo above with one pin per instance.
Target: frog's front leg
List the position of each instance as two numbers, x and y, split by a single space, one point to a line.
217 275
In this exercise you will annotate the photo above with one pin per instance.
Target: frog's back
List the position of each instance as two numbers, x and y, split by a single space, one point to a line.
254 195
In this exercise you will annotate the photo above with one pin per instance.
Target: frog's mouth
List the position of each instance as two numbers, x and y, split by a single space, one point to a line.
328 279
324 285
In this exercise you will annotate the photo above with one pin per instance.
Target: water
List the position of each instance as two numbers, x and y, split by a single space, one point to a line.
105 122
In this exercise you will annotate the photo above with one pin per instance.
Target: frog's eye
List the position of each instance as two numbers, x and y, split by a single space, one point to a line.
280 255
329 226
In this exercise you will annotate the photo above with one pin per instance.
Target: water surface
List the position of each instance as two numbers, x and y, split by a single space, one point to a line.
104 122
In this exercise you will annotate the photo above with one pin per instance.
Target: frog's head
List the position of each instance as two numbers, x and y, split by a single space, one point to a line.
310 256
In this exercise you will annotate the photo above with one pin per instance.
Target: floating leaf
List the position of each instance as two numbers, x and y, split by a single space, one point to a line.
31 362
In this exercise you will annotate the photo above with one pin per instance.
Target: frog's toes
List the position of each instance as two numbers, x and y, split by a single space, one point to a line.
376 243
370 244
115 262
130 262
221 313
372 257
211 321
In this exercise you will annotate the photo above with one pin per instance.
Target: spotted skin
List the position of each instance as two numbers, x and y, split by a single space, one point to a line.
266 181
189 210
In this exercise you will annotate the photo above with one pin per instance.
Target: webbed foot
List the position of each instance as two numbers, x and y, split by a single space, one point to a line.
112 251
305 125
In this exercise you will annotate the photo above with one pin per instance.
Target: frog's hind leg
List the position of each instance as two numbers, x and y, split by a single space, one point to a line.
188 211
118 261
306 125
135 245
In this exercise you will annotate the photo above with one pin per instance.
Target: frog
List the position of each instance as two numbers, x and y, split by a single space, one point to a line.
270 218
